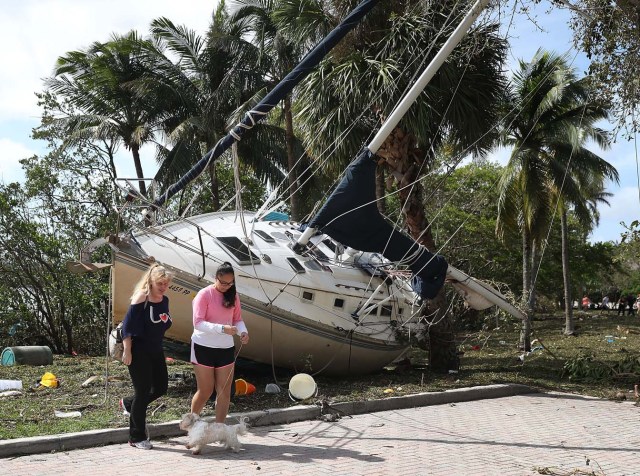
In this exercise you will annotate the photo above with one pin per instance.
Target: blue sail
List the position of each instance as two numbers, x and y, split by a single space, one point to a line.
351 217
284 87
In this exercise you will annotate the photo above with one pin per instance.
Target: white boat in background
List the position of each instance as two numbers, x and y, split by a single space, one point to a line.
311 303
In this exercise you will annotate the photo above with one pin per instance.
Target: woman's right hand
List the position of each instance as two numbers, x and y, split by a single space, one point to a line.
126 357
230 330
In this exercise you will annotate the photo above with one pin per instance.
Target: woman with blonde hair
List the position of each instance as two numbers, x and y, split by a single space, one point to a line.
143 330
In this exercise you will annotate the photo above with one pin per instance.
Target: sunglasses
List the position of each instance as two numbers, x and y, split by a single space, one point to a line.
226 283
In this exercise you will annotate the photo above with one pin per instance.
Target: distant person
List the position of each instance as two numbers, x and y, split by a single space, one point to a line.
142 333
585 302
605 303
638 304
631 300
622 304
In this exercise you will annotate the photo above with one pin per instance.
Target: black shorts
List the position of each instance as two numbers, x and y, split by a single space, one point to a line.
211 356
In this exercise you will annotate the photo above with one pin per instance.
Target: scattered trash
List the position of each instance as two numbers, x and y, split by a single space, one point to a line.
244 388
453 372
609 339
272 388
476 347
387 390
537 348
158 408
503 342
10 384
10 393
49 380
302 386
170 360
89 381
59 414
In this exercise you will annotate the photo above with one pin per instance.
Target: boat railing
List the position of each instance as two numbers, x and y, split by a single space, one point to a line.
147 218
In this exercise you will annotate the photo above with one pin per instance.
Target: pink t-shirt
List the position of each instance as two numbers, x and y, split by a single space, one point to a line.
209 315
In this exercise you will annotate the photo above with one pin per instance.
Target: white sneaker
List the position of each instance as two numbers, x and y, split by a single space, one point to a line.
125 412
143 445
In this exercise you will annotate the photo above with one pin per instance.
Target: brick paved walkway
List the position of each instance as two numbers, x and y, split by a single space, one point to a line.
564 434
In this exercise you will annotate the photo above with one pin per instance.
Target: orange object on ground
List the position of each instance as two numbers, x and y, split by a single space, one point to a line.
244 388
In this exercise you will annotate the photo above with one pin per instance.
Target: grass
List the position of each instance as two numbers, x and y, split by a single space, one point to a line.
489 357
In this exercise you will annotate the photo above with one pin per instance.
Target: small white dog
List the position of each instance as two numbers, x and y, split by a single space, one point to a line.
202 432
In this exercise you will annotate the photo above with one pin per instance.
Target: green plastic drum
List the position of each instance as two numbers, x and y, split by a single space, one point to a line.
27 355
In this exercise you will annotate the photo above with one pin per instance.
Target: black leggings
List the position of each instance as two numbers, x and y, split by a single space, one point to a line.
150 381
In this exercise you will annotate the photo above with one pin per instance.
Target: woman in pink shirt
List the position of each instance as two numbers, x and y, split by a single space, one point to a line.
216 319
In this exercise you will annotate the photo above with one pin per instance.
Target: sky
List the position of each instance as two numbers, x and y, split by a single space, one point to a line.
39 31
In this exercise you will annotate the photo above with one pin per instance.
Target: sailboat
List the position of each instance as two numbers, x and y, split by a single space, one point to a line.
341 294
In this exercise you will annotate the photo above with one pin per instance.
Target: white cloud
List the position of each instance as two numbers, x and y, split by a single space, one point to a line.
41 31
10 154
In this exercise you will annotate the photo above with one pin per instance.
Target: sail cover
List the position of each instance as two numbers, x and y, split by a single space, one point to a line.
351 217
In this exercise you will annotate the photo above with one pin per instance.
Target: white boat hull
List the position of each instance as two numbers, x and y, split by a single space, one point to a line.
291 316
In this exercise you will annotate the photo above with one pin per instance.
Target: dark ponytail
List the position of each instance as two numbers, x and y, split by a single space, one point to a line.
229 296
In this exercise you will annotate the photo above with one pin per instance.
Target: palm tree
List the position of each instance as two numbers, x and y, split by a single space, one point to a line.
97 83
586 212
550 118
203 91
339 105
278 55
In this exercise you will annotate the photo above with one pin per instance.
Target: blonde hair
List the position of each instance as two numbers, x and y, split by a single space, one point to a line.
155 273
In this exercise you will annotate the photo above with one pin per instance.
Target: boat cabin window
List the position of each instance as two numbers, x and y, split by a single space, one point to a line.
385 311
308 295
238 250
295 264
311 264
280 236
318 254
330 244
338 303
400 311
265 236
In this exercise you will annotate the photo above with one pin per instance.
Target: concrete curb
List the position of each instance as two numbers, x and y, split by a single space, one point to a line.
276 416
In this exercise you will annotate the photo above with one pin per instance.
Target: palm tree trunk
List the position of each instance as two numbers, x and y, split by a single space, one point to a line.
380 190
135 150
291 161
525 334
215 187
404 159
568 300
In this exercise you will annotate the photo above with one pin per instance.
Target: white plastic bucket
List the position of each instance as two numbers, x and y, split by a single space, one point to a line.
302 386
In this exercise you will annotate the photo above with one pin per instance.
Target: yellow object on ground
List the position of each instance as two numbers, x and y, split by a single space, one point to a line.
49 380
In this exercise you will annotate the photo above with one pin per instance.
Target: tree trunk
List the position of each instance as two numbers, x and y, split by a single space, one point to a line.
380 190
135 150
291 161
568 300
215 188
525 334
406 161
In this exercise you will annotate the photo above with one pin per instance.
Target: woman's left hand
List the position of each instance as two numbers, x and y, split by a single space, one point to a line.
244 338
